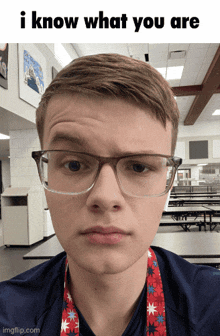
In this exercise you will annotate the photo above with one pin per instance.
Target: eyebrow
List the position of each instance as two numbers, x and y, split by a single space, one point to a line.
60 137
73 140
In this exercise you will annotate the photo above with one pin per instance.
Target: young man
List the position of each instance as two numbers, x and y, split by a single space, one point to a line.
108 127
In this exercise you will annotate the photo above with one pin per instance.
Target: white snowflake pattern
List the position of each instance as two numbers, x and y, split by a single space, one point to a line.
69 296
151 309
64 325
149 254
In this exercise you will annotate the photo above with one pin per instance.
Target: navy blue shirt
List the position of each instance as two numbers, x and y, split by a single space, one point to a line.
34 299
137 325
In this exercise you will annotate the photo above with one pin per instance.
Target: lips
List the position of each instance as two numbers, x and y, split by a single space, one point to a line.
103 230
104 235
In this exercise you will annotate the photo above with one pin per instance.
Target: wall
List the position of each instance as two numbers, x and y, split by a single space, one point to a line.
6 178
23 167
182 149
200 131
9 99
14 114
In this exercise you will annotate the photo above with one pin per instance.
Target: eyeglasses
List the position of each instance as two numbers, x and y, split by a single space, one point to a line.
75 173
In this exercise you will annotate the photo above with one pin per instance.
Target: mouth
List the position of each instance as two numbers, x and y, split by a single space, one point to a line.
104 235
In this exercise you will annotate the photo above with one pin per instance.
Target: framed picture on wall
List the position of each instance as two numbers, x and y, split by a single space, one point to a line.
32 73
4 65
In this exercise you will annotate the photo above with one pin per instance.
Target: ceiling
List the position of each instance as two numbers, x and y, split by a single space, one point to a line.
197 92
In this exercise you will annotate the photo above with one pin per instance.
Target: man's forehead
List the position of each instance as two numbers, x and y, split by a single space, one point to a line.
77 123
60 103
105 111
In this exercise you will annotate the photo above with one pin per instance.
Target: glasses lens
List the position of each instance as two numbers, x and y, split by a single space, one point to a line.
68 172
145 175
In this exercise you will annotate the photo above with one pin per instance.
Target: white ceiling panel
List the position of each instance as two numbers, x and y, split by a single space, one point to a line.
213 104
213 47
174 82
175 62
197 50
201 73
178 46
184 104
84 49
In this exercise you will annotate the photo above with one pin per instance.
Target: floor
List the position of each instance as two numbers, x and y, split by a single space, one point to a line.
11 259
12 262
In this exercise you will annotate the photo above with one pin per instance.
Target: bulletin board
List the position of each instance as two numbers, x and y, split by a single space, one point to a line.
198 149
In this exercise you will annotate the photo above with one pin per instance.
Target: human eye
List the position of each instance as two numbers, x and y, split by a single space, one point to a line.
78 164
73 165
142 166
136 167
70 163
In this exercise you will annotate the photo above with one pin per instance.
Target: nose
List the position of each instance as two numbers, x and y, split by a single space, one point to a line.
106 194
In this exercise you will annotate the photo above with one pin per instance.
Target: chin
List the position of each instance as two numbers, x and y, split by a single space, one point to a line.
101 266
105 269
108 262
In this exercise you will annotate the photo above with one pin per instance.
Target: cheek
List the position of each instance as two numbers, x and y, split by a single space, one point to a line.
150 212
63 210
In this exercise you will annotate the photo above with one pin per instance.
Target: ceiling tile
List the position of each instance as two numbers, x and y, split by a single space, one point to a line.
213 104
178 46
184 104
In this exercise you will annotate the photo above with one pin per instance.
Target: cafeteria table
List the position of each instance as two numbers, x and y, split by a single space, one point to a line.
194 200
214 208
190 244
215 215
185 212
46 250
192 195
196 247
185 224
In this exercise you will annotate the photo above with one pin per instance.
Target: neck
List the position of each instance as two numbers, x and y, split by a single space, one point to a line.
107 300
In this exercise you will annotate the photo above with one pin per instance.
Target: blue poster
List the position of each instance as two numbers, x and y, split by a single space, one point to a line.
33 74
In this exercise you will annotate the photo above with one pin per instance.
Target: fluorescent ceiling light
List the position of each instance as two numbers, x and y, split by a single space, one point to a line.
162 71
202 164
61 54
4 137
217 112
171 72
174 72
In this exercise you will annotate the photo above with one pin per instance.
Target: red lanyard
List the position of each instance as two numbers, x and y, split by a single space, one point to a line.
156 321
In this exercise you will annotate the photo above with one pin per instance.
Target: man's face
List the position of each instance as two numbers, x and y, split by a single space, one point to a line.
108 128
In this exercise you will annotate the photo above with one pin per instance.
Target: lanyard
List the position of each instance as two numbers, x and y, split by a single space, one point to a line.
156 321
